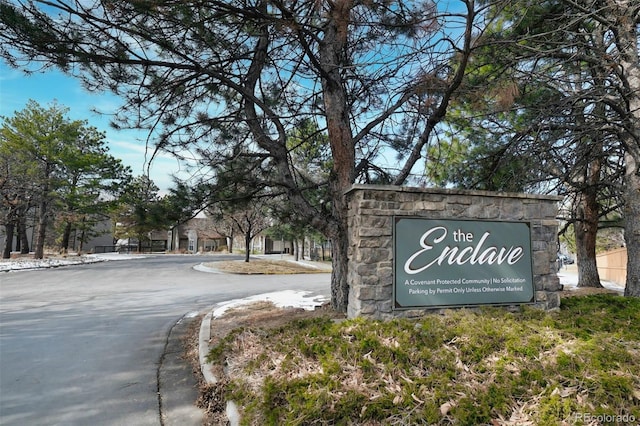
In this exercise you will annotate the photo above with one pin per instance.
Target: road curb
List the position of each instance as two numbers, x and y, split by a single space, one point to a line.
204 338
204 346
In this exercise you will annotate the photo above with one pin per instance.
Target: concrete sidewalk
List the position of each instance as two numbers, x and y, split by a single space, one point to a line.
569 279
177 384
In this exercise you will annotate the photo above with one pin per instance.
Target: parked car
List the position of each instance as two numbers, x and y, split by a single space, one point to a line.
565 259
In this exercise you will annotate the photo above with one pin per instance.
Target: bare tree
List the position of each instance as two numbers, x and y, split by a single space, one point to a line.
248 219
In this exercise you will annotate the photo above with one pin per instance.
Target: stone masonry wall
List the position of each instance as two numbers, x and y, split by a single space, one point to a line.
371 212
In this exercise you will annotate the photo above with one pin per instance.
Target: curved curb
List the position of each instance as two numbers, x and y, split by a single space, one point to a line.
203 348
204 338
201 268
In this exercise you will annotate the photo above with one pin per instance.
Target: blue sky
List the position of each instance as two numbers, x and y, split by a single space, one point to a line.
129 146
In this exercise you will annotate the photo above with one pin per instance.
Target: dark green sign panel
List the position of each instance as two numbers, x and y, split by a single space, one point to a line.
461 262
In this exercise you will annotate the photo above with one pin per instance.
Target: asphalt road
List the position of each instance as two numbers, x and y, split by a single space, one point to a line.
81 345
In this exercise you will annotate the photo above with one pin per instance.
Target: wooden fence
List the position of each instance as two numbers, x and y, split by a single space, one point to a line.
612 265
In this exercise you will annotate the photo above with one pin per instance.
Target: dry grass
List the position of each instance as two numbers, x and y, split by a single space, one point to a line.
269 267
253 317
289 366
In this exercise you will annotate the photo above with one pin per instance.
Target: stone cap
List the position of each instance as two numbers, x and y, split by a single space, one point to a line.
451 191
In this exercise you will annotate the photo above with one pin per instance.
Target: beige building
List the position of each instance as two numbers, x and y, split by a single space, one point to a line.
195 236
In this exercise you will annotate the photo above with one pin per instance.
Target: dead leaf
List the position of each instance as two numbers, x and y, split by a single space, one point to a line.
565 392
445 408
406 379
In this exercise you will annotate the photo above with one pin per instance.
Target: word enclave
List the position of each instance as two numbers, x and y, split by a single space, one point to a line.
478 255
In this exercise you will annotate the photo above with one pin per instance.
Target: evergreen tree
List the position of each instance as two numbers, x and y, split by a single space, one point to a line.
140 211
196 71
57 166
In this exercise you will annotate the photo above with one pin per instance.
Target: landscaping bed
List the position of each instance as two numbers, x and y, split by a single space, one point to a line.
580 365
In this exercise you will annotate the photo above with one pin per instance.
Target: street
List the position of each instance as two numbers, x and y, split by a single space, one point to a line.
80 345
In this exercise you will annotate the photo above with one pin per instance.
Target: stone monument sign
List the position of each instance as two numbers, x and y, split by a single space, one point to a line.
412 249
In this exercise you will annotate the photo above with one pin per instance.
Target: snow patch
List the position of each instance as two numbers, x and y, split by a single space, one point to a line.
281 299
25 264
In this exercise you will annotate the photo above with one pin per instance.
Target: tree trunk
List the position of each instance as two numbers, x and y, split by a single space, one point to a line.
81 246
247 245
66 236
43 213
332 57
339 273
230 242
339 255
331 63
8 243
627 43
41 229
22 233
632 224
586 230
18 241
